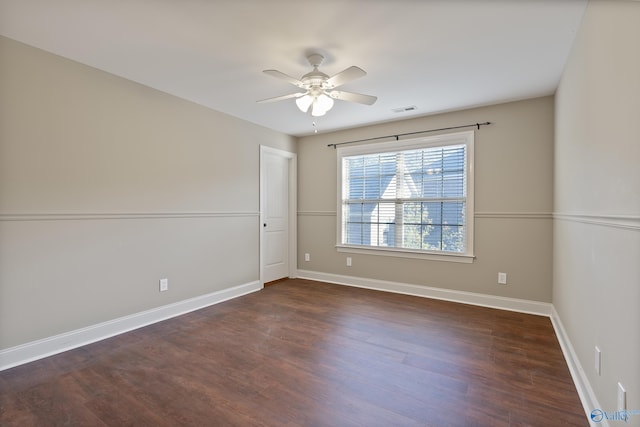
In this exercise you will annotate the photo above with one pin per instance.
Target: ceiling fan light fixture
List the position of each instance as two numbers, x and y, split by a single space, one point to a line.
317 111
325 102
304 102
321 104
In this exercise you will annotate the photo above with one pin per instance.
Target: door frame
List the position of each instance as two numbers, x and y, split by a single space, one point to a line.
292 210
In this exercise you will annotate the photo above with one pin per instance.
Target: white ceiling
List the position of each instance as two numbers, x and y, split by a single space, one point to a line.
438 55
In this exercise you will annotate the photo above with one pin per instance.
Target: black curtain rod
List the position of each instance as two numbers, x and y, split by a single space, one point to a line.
409 133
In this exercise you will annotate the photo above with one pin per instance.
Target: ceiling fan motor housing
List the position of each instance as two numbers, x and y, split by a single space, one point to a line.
315 78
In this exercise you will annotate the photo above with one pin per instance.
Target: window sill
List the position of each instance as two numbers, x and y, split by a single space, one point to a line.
405 253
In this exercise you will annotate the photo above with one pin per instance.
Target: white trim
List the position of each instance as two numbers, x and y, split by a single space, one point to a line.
614 220
59 343
465 139
69 216
628 222
293 218
499 215
39 349
407 253
293 205
483 300
587 396
316 213
514 215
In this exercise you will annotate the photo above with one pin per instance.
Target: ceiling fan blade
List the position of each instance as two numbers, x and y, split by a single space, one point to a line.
352 97
280 98
282 76
345 76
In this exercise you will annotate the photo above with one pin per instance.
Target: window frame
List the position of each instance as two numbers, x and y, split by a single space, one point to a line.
459 138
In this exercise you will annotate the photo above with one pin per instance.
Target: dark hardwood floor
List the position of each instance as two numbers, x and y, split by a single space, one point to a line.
303 353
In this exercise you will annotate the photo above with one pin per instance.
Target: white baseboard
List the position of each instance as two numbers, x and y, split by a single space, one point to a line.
39 349
59 343
491 301
587 396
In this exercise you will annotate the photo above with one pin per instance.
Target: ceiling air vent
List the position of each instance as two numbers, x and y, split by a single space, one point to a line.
404 109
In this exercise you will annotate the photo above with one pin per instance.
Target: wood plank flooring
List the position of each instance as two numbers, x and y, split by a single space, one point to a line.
303 353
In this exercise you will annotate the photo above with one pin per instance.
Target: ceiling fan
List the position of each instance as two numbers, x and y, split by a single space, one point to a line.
318 89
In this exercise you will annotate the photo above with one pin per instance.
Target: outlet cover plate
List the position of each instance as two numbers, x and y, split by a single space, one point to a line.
502 278
164 285
622 398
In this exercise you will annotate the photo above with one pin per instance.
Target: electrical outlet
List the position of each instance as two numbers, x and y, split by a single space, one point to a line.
164 285
598 360
502 278
622 398
348 261
307 257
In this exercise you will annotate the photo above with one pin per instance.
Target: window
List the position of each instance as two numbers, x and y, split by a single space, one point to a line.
409 198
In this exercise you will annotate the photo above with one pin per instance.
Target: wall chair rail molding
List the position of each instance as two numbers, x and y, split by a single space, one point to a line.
86 216
514 215
628 222
317 213
498 215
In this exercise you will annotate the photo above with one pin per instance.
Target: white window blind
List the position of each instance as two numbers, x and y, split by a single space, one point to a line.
410 196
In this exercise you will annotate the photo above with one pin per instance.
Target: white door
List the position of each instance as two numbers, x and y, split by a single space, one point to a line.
274 170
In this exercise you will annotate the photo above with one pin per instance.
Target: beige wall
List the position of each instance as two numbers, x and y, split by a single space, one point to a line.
596 289
513 203
106 186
